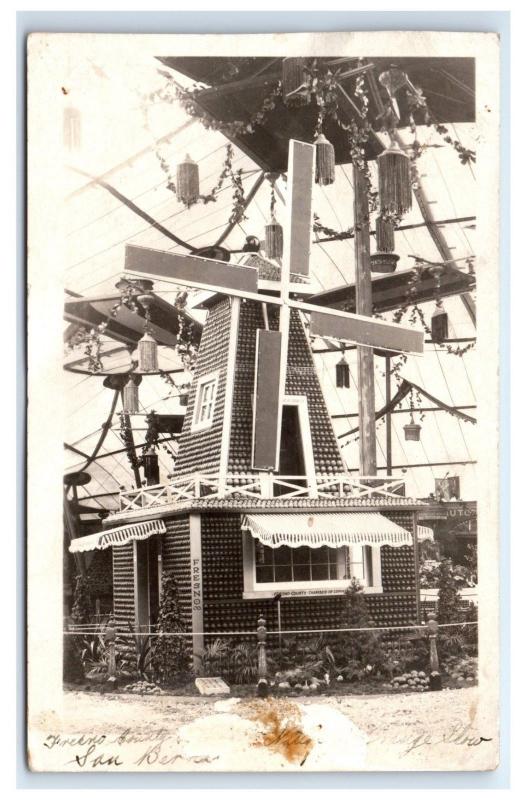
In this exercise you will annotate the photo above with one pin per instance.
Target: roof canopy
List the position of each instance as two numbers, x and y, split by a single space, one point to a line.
330 530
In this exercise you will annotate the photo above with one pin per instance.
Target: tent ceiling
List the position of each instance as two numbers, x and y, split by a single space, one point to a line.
237 88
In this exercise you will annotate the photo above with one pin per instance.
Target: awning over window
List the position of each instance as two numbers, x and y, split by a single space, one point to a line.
117 536
331 530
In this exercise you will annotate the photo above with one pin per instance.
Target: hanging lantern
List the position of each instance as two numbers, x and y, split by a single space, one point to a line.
384 234
151 467
147 353
183 399
274 239
187 184
342 373
131 395
325 161
394 179
439 324
412 431
294 81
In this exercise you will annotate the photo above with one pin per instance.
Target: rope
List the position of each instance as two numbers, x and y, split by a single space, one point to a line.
277 633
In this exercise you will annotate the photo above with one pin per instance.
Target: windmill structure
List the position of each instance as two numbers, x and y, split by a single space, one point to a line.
260 503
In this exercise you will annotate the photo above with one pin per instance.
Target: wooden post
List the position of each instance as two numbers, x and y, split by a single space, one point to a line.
364 306
388 417
262 670
435 677
416 567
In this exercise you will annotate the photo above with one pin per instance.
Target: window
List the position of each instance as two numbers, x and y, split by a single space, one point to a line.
288 564
205 402
308 569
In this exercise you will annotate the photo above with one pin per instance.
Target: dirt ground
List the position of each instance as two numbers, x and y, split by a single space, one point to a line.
128 732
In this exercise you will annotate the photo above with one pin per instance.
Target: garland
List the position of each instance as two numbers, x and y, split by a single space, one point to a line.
126 437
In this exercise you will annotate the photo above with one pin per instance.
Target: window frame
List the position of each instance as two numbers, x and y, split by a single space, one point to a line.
205 380
358 569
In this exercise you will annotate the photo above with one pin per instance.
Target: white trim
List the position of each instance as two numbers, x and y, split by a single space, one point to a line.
202 381
235 308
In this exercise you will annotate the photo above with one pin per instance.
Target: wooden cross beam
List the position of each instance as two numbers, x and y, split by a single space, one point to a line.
272 346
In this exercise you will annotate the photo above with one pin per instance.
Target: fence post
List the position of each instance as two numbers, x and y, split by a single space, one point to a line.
110 641
262 669
435 677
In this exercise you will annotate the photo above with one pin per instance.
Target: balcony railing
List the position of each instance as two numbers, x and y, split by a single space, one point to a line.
181 491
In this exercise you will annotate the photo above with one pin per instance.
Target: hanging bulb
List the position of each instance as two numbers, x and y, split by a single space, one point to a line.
342 373
325 161
394 179
439 324
131 395
384 234
294 82
187 184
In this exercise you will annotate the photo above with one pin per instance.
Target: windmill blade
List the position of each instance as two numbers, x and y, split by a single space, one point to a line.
301 170
361 330
200 273
266 432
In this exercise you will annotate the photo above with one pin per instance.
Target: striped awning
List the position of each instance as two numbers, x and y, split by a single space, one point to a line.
425 533
331 530
117 536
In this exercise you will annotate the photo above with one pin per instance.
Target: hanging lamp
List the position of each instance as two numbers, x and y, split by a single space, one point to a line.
151 467
439 323
384 229
147 345
187 184
325 161
342 372
394 181
412 429
294 81
273 231
131 395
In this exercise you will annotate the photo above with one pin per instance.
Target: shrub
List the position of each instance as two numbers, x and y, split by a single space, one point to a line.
169 655
82 604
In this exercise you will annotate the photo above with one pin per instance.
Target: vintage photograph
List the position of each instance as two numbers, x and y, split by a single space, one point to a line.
262 456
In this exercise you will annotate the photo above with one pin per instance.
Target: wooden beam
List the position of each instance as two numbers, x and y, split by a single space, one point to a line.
364 307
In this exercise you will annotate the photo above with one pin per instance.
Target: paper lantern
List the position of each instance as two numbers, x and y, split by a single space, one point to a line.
394 179
294 81
439 324
274 239
131 395
325 161
342 373
187 184
147 353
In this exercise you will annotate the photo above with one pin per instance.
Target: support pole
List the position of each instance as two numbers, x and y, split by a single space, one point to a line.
388 417
364 306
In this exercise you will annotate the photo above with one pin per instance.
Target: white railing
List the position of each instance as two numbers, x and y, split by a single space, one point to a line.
259 485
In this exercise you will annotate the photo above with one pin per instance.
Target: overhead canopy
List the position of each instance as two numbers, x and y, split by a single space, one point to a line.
117 536
330 530
425 533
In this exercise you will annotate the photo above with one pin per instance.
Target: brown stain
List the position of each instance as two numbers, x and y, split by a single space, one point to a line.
64 90
282 733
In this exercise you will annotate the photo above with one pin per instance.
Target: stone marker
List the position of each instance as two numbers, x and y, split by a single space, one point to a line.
209 686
